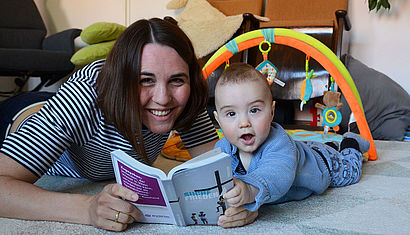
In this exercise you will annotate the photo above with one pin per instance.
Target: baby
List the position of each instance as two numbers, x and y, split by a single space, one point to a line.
268 165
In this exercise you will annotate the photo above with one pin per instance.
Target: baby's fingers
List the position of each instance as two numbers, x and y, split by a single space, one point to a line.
234 192
234 201
237 217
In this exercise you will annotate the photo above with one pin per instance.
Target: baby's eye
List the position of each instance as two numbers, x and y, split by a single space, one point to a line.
230 114
254 110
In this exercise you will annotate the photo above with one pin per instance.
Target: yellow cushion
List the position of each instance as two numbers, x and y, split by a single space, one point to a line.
101 32
92 53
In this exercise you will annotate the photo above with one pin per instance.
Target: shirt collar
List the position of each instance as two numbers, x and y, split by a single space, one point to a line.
234 151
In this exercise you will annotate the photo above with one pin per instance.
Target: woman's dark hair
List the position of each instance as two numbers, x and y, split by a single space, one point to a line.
118 83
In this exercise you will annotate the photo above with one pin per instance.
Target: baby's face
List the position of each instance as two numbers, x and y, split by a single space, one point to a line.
244 112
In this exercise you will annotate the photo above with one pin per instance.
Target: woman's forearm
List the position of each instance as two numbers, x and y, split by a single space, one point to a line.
23 200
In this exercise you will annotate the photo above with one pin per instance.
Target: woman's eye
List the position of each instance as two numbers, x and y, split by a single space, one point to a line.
146 81
178 81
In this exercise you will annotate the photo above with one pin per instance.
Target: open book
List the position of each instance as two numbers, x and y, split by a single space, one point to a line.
190 194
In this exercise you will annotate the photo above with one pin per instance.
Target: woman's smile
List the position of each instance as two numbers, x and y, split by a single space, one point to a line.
160 113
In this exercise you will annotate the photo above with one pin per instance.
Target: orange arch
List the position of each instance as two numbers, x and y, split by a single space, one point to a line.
309 49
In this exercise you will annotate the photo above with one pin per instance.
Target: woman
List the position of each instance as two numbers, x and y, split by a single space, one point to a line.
149 85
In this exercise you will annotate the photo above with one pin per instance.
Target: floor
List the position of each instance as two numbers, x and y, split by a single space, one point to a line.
378 204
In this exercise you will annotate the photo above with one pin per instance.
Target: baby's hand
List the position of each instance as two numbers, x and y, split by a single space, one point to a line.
242 193
236 217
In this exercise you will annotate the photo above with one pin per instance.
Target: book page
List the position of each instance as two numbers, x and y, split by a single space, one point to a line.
200 160
152 202
200 189
121 155
147 187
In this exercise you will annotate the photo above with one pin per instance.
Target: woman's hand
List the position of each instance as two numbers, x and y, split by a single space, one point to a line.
241 193
104 208
20 199
236 217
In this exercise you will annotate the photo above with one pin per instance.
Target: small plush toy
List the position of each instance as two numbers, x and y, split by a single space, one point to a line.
330 99
330 114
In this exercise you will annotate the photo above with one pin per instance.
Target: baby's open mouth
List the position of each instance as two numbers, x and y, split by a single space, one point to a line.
247 138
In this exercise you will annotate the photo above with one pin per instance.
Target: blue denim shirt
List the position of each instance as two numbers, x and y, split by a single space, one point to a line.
281 168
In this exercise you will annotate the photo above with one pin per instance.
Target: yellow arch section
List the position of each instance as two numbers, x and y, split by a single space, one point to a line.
310 46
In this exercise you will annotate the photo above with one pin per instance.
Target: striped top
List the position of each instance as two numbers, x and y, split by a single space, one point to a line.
69 135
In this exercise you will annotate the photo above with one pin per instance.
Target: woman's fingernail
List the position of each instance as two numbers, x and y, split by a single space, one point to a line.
134 197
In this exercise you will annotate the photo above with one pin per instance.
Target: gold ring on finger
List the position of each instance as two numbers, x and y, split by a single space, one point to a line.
117 216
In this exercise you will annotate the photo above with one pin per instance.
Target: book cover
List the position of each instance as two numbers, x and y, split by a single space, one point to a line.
190 194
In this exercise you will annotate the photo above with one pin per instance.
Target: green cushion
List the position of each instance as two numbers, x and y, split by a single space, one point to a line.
92 53
101 32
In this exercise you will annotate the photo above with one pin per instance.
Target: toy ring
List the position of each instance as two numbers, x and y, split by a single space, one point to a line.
267 50
330 116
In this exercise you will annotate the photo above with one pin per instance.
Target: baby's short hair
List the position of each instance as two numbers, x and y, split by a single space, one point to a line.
239 73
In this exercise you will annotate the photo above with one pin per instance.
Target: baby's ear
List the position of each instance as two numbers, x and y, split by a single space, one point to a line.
216 117
273 108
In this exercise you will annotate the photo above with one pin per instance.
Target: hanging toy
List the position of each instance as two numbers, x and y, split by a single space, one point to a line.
306 88
267 68
330 110
227 64
332 84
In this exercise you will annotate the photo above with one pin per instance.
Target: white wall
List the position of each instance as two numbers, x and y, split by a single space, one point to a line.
380 40
149 8
62 14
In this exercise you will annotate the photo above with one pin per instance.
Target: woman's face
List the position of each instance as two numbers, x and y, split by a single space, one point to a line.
165 87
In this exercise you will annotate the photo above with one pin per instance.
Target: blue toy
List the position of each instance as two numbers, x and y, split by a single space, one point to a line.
267 68
306 88
330 110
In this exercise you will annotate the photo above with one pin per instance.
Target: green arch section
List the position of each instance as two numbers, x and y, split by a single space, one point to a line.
301 37
325 51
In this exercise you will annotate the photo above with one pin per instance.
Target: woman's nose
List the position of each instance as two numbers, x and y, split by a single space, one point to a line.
161 95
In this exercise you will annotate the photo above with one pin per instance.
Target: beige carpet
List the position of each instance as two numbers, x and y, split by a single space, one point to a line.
378 204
